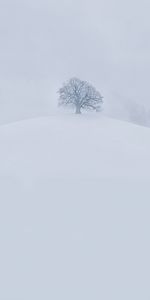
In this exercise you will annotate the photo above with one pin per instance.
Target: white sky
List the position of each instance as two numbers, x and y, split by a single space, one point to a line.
45 42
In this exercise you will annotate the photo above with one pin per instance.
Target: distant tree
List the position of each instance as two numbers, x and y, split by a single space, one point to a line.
139 114
81 95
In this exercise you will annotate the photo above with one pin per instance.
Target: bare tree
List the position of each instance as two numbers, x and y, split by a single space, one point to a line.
81 95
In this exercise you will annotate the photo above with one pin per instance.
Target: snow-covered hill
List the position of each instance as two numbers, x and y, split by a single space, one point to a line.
74 209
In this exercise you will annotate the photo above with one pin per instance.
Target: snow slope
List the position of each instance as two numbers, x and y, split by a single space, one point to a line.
74 209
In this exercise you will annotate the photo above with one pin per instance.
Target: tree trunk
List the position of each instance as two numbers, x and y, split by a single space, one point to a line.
78 110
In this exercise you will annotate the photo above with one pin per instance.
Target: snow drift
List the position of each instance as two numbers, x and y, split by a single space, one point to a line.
74 209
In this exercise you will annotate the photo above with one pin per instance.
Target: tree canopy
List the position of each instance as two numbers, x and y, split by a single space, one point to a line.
81 95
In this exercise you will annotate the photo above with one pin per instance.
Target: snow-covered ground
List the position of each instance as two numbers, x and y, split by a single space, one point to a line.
74 209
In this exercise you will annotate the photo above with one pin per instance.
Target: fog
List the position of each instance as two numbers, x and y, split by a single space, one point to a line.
43 43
